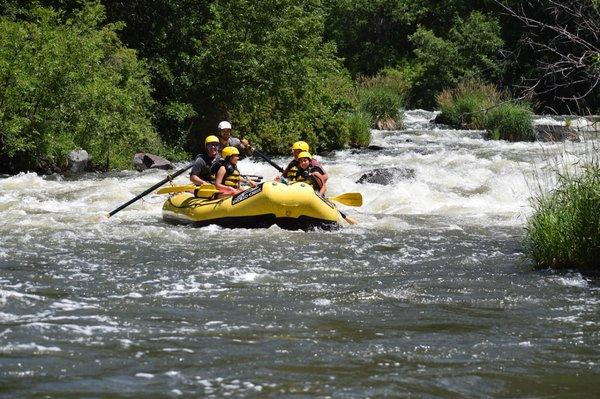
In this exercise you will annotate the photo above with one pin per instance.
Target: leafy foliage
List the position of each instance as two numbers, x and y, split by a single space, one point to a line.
510 121
359 129
564 230
466 105
471 50
272 75
67 84
380 103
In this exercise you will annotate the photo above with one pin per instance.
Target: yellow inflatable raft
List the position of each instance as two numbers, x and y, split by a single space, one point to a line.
294 206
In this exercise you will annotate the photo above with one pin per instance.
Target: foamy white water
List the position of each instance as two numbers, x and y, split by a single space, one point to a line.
428 290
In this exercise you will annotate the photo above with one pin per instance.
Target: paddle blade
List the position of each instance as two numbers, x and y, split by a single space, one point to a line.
350 199
176 189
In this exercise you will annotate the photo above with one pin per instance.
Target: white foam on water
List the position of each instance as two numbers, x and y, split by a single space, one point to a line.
147 376
32 347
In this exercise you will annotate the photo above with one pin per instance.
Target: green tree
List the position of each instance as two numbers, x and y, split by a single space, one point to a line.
271 73
470 50
68 83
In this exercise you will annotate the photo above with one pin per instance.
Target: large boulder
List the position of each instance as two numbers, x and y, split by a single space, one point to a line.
555 133
386 176
143 161
78 161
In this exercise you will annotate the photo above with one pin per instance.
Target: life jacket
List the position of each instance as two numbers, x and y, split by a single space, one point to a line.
232 174
204 171
291 170
294 174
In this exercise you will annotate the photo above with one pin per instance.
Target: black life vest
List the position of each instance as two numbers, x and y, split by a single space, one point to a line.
232 174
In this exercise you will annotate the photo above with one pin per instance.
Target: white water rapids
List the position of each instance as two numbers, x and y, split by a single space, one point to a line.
428 296
457 174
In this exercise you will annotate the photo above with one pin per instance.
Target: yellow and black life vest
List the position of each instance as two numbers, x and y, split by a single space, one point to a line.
295 174
232 174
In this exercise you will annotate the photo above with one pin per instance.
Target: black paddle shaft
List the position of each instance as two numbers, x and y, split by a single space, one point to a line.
154 187
266 158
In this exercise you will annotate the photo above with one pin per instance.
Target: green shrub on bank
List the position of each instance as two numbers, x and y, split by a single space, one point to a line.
381 103
564 230
511 122
465 106
70 84
381 97
359 129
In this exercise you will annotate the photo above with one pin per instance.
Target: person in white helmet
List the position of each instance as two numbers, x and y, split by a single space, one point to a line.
227 140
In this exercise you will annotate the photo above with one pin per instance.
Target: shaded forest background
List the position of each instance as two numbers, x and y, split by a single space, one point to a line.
115 77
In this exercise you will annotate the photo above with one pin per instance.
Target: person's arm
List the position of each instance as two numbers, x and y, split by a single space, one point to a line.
249 182
317 165
246 147
319 179
197 180
219 183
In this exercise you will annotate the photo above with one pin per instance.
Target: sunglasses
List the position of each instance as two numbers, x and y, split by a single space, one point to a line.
212 146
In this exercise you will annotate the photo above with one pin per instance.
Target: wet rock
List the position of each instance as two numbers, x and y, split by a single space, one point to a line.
386 176
375 147
555 133
78 161
143 161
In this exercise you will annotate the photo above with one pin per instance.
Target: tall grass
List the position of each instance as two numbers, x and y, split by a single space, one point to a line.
381 97
511 122
564 229
359 127
465 106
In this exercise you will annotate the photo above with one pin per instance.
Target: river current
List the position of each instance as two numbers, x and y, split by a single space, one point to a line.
429 295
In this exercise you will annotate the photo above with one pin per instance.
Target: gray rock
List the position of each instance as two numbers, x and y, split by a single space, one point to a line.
143 161
555 133
386 176
78 161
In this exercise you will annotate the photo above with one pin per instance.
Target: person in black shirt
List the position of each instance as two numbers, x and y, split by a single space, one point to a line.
201 173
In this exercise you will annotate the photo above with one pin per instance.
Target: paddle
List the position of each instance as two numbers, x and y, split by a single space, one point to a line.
154 187
349 199
203 191
266 158
352 198
253 177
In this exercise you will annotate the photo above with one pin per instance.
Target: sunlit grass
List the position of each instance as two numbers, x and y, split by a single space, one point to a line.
564 229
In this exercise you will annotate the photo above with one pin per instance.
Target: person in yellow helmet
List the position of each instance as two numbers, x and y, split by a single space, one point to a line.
227 176
305 172
292 168
200 173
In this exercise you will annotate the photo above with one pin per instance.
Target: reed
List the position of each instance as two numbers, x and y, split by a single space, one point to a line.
510 121
465 106
359 127
381 103
564 229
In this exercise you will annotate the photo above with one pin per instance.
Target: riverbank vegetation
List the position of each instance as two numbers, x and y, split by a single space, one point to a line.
564 230
115 78
476 105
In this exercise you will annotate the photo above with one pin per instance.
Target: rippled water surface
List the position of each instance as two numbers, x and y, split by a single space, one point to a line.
429 296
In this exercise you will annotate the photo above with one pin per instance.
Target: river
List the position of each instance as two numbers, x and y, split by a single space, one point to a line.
428 296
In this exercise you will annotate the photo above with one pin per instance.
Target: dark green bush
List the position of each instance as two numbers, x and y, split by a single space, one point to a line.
469 50
510 121
564 230
381 103
465 106
70 84
359 129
